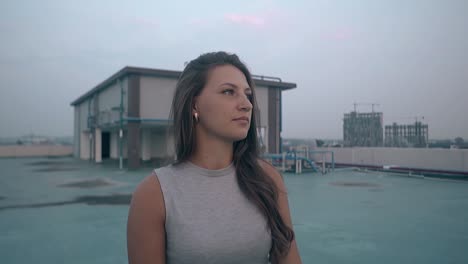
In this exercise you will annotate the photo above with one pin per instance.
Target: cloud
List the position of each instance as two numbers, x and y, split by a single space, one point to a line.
246 20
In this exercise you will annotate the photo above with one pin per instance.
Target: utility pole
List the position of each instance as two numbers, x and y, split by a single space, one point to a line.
121 125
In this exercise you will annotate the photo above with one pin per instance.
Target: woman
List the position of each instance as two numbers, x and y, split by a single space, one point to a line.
219 202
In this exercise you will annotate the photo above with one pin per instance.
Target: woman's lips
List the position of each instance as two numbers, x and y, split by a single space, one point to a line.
243 120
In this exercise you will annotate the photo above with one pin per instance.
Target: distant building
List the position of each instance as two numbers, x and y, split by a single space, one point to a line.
414 135
363 129
127 116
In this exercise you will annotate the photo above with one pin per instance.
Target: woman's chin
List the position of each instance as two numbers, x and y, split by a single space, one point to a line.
239 137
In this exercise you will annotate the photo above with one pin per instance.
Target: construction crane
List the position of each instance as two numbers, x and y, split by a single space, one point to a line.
416 118
373 104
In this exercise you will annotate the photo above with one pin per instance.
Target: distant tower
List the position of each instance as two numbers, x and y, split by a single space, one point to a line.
363 129
413 135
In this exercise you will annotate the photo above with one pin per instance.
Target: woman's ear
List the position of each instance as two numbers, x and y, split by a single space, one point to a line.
195 105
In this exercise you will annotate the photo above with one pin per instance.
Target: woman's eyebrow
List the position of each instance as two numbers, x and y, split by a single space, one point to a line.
235 86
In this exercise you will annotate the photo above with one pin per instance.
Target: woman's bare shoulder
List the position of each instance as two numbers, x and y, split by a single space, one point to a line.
149 197
271 171
146 221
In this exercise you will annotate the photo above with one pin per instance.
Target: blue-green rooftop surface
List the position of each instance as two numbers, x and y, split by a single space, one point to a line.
69 211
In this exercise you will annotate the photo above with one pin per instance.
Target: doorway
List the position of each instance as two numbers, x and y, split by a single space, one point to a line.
105 145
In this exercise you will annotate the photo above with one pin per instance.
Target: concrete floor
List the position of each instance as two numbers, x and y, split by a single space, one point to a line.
62 210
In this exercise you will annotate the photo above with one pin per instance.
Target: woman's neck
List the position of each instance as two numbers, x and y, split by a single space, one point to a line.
212 154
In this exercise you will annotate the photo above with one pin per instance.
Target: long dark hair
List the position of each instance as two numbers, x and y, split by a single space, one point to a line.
256 185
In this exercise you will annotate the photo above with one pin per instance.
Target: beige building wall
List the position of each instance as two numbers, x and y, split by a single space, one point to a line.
84 146
83 115
159 144
145 144
423 158
98 145
262 101
156 97
76 132
110 97
114 145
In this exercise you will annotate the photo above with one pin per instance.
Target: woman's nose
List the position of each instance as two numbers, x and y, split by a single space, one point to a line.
245 104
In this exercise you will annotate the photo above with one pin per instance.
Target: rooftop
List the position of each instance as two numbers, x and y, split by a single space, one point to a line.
63 208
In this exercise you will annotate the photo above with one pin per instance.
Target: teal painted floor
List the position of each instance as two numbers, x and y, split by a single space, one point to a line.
69 211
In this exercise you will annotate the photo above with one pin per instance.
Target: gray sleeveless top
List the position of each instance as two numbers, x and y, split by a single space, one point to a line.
208 219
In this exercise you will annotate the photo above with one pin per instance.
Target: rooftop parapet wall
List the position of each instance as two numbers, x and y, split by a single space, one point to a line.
16 151
422 158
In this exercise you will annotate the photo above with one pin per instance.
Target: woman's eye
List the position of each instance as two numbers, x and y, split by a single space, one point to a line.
249 97
228 91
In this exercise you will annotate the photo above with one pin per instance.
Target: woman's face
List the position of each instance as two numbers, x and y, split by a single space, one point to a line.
224 105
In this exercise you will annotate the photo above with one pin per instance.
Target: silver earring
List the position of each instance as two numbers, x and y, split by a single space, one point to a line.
196 117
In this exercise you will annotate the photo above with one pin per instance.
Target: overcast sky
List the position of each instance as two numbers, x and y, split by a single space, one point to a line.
408 56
